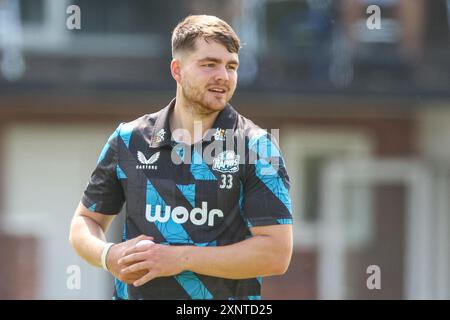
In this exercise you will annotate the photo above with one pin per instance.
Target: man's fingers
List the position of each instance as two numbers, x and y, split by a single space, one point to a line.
133 250
144 265
149 276
131 258
130 245
130 278
136 249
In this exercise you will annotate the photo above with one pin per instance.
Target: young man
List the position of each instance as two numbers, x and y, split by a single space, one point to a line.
219 223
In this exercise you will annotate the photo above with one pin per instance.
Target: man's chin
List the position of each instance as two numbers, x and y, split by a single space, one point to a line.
214 107
218 107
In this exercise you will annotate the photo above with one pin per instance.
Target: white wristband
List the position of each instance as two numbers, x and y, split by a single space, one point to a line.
104 254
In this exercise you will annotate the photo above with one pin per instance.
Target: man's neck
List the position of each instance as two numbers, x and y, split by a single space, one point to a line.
185 119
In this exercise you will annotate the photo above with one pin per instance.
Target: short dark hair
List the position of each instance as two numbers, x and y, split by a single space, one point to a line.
206 27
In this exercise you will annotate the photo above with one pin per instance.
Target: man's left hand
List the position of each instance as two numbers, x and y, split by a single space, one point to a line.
159 260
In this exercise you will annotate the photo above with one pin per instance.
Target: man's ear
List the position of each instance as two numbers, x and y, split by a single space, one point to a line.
175 69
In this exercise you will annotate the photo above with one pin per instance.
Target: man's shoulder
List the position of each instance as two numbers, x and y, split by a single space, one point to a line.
143 123
245 124
258 139
250 130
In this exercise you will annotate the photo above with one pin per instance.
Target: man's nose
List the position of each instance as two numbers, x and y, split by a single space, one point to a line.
222 74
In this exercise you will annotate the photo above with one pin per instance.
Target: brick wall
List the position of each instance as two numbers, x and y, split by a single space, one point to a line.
18 271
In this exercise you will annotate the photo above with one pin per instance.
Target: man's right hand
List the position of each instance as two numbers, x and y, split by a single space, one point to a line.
116 252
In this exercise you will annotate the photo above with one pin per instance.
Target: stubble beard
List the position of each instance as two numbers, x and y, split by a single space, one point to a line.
196 98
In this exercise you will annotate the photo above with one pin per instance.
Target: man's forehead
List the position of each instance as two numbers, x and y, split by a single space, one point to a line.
212 50
211 58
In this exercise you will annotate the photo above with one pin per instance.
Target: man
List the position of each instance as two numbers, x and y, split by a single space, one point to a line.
218 223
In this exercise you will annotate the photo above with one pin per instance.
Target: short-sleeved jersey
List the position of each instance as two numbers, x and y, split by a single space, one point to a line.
207 194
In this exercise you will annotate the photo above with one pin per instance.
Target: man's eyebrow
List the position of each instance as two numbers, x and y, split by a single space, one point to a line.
216 60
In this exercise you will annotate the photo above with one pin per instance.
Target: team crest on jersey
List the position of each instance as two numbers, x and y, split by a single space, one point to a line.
226 162
160 135
219 135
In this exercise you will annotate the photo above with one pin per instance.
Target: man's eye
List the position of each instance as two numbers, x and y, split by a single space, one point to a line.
232 67
209 65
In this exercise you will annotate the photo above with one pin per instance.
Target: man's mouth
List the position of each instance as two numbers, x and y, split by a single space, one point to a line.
217 90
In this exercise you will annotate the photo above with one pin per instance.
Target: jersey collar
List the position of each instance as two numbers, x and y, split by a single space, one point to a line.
161 134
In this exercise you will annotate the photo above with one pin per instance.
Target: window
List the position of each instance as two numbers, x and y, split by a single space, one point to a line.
125 17
307 152
32 12
130 28
298 39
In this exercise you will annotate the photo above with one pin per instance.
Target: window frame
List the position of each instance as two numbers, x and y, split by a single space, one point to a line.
53 37
301 143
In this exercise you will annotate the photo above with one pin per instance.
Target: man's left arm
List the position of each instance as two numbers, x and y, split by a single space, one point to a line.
267 253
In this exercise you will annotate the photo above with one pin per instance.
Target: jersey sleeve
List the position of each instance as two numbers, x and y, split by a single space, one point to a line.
104 193
266 199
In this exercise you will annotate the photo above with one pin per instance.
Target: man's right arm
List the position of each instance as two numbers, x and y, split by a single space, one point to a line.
87 237
87 233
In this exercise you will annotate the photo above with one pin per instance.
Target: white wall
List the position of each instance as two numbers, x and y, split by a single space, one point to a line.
434 145
434 134
46 169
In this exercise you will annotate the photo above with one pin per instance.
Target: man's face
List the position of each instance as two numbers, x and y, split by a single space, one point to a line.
208 76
